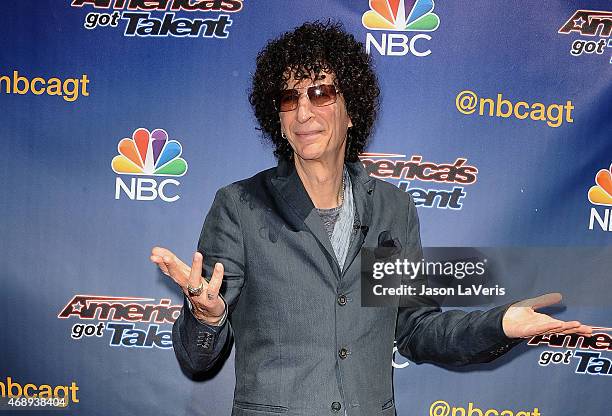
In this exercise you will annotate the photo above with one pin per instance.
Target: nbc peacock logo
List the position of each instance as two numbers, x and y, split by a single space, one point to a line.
601 194
400 16
148 154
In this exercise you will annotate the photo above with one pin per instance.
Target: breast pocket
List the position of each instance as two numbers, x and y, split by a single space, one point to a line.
388 246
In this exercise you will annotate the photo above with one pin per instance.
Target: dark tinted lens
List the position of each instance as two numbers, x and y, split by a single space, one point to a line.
321 95
288 100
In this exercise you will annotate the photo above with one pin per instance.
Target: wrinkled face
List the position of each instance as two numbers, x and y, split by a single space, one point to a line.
316 133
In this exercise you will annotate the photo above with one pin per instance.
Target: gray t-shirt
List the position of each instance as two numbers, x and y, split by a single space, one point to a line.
329 216
338 222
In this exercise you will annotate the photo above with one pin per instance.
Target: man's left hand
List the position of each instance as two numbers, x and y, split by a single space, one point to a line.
522 321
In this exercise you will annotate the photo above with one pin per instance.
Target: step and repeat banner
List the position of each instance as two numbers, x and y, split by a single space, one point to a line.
121 118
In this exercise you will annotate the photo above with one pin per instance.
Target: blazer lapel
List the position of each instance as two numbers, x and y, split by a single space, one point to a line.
298 208
363 191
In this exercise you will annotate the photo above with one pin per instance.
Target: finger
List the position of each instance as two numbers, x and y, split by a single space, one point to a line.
158 254
160 263
565 328
160 251
542 301
569 327
180 264
195 277
545 328
174 271
584 330
157 259
567 331
215 282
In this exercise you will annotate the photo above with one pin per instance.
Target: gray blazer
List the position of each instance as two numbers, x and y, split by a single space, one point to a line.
303 343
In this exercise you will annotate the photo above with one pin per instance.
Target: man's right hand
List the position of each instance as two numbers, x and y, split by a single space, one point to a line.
208 307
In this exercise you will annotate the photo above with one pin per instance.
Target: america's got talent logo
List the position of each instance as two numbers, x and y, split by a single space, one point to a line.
594 28
438 177
122 318
161 18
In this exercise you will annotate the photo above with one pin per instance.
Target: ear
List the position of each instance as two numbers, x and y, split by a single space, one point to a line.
280 123
350 123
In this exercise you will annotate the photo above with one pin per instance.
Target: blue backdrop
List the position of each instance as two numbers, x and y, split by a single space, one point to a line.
516 93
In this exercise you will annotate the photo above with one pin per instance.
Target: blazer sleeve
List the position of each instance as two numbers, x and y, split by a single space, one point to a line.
199 346
426 334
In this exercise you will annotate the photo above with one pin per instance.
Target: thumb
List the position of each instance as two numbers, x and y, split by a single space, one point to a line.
542 301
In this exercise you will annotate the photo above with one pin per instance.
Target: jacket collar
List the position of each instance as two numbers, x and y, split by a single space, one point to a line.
299 211
287 181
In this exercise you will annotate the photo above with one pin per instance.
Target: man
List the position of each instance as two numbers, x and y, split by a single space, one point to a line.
282 247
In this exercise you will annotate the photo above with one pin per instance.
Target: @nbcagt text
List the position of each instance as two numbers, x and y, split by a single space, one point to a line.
16 395
457 270
554 115
443 408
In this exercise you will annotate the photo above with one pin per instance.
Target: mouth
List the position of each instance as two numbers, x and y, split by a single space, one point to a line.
307 134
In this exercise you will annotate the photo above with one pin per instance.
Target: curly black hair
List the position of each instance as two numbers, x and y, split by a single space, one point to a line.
309 49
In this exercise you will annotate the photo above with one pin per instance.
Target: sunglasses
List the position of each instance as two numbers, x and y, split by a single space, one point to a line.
319 96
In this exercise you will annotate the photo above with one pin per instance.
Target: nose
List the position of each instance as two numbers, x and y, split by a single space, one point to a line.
304 109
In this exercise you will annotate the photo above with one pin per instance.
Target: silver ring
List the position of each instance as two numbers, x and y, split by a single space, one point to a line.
196 291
